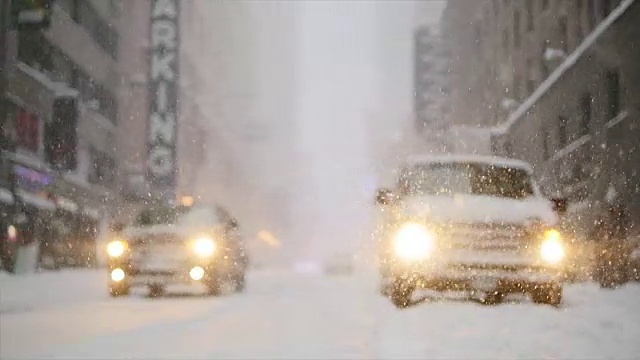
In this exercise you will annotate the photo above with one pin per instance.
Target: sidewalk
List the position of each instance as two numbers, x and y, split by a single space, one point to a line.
32 291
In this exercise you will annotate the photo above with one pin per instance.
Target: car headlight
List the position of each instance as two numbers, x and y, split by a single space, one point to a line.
116 248
552 250
204 247
413 242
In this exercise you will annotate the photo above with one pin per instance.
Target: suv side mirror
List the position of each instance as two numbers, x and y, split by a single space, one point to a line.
560 205
385 196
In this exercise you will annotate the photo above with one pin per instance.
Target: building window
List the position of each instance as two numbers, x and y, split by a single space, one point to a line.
585 114
102 169
516 87
613 93
505 40
103 34
34 50
546 152
101 99
564 33
531 82
578 18
28 131
115 7
62 67
70 7
508 148
487 15
544 67
591 14
529 13
607 7
516 29
562 131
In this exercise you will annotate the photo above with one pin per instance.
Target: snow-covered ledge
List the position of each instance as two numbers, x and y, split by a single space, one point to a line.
567 64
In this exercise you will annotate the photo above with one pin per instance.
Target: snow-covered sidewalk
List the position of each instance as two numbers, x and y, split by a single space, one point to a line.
50 288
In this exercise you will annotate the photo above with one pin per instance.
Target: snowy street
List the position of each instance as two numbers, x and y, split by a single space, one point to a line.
68 314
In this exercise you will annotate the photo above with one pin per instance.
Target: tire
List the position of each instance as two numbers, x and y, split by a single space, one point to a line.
384 285
156 291
118 290
493 298
240 283
608 284
549 294
214 287
401 292
613 278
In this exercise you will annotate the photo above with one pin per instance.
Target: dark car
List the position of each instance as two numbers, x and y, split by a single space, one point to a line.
168 245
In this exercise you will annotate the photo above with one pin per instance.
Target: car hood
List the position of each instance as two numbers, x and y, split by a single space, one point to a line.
479 209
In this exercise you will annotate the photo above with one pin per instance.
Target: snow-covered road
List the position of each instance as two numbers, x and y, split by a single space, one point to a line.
287 315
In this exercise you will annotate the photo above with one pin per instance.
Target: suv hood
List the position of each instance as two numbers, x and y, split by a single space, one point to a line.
479 209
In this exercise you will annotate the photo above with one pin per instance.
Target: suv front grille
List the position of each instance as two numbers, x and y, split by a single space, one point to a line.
508 238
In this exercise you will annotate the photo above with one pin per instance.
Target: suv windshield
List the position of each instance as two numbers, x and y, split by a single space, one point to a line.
187 216
466 178
160 216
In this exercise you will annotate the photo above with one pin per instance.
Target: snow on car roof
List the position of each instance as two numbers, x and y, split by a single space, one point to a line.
469 158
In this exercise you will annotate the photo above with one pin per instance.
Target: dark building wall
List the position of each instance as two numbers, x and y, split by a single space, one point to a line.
578 128
497 50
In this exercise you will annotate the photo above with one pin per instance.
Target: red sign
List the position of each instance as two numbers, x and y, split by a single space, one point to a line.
28 131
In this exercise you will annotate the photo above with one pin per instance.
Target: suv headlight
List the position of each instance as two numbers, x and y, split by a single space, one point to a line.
551 249
116 248
204 247
413 242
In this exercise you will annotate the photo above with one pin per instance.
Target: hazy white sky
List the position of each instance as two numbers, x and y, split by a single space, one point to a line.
353 74
327 82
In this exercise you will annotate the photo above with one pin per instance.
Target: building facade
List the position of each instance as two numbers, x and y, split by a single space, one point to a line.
431 79
559 82
59 114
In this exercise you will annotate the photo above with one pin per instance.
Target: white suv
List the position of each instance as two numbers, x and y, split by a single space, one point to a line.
469 223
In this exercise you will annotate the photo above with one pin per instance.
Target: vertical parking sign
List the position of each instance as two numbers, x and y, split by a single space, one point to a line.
163 93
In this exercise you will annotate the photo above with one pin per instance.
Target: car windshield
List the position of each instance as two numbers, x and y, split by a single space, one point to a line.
180 215
160 216
466 178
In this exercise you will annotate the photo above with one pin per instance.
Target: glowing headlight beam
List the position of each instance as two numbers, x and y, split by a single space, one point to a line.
413 242
196 273
116 248
204 247
117 275
552 250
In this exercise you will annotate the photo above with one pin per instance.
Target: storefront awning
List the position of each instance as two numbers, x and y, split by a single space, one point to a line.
36 201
